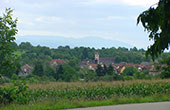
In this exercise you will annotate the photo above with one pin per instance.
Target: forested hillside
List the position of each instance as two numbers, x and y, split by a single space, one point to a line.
29 54
36 63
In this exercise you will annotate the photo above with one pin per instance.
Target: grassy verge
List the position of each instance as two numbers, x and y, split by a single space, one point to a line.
51 104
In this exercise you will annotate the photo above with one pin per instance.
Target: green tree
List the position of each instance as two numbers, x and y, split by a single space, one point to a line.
166 69
130 71
69 74
38 69
134 49
110 70
166 73
117 76
60 73
99 70
104 70
14 45
49 70
8 29
156 22
118 59
25 46
90 75
141 75
85 53
74 62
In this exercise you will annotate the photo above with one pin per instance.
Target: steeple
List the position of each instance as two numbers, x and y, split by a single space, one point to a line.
96 57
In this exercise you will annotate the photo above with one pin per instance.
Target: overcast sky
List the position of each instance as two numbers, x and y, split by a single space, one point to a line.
109 19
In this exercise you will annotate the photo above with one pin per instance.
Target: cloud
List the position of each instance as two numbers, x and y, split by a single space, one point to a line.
143 3
67 34
116 18
27 23
49 19
113 18
39 19
140 2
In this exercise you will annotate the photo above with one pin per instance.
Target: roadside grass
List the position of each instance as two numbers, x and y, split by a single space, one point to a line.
52 104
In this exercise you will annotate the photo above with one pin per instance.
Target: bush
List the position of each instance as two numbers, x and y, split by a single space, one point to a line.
107 78
90 75
142 75
4 80
130 71
166 73
128 77
33 80
18 93
14 77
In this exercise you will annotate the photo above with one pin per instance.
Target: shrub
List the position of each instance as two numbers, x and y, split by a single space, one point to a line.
14 77
166 73
18 92
4 80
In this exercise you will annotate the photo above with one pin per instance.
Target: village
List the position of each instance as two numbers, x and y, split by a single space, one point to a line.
92 65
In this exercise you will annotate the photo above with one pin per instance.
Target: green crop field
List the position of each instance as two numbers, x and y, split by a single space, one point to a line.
59 95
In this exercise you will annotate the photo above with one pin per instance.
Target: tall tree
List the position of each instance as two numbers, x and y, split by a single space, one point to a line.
156 22
99 70
85 53
25 45
8 29
60 73
69 73
105 70
130 71
38 69
110 70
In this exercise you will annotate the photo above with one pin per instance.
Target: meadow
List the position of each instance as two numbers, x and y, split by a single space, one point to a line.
62 95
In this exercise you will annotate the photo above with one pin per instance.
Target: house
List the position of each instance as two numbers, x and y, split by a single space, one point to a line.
56 62
85 63
26 70
106 61
122 69
118 67
92 66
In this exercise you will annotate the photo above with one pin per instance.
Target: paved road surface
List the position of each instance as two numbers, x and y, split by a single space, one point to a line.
143 106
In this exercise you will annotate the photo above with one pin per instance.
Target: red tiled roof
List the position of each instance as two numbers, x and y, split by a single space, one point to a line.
60 61
93 66
106 59
85 61
132 65
26 66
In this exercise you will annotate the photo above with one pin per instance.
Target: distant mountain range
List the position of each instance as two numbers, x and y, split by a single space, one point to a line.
55 41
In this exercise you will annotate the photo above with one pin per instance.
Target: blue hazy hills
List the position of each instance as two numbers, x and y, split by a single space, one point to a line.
55 41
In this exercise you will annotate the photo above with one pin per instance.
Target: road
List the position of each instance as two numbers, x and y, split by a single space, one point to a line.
143 106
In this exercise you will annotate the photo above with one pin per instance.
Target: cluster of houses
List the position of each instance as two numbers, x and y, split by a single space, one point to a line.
92 65
118 67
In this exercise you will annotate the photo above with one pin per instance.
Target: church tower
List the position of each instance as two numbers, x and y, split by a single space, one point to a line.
96 57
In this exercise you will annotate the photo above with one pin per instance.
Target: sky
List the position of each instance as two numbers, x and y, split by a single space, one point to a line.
108 19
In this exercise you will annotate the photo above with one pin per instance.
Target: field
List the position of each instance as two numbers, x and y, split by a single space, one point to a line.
60 95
